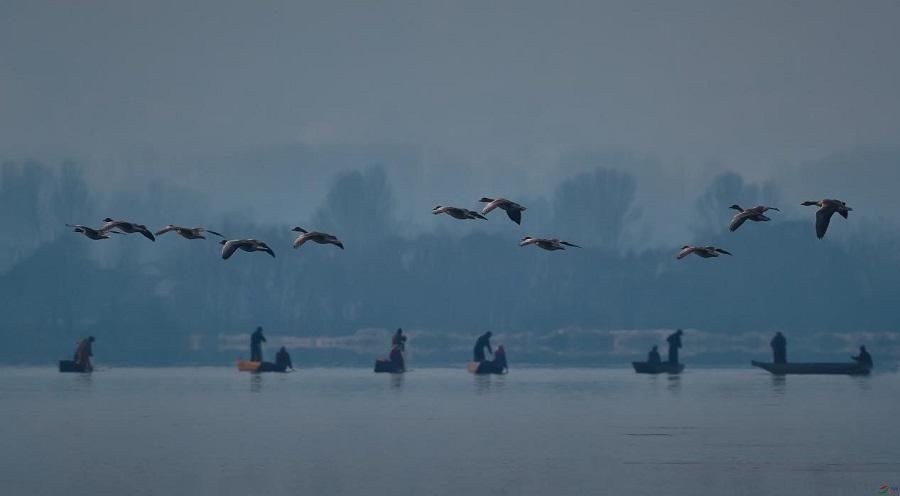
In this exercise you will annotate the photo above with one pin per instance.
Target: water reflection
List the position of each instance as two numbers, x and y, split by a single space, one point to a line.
863 382
779 384
674 383
256 382
488 383
397 381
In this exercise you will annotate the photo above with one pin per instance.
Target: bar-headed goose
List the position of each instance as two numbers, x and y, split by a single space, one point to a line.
229 246
513 209
549 244
457 213
187 232
827 208
754 214
126 227
316 237
701 251
90 232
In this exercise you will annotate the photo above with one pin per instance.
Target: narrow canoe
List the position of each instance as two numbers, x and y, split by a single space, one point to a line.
839 368
657 368
71 366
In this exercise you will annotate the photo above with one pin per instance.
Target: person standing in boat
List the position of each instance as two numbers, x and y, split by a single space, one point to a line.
484 341
864 358
256 341
399 340
653 357
779 348
83 353
674 341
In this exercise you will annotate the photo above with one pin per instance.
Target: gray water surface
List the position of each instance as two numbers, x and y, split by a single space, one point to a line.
439 431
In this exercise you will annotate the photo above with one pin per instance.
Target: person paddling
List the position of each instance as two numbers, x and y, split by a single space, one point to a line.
864 358
256 341
779 348
484 341
674 341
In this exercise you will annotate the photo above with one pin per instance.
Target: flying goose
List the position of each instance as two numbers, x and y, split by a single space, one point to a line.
513 209
90 232
229 246
126 227
318 237
827 208
187 232
700 251
754 214
549 244
457 213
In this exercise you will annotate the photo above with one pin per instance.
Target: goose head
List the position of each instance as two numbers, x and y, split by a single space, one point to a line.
299 229
736 207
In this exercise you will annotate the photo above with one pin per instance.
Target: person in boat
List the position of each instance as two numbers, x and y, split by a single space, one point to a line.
864 358
484 341
399 340
653 357
283 360
256 341
674 341
83 353
779 348
396 358
499 361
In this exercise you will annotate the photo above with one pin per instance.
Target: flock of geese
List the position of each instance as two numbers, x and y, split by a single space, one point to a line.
827 209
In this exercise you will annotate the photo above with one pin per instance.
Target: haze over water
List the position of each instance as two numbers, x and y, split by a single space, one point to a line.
443 431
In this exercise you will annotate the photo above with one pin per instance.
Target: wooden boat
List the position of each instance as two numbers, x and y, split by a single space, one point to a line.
248 366
809 368
387 367
71 366
483 368
657 368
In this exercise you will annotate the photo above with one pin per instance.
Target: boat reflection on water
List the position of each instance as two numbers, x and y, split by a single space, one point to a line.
779 384
674 383
397 381
256 383
488 383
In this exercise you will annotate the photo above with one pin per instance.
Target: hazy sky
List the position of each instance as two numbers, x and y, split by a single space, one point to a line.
513 85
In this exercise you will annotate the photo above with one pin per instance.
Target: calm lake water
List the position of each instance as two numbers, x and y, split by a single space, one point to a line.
197 431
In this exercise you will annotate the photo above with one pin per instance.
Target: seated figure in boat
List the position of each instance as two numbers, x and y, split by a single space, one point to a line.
496 366
282 362
484 341
779 348
653 356
83 353
396 358
864 358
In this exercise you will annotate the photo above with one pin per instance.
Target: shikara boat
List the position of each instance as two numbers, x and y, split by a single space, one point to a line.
657 368
250 366
71 366
485 367
833 368
387 367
